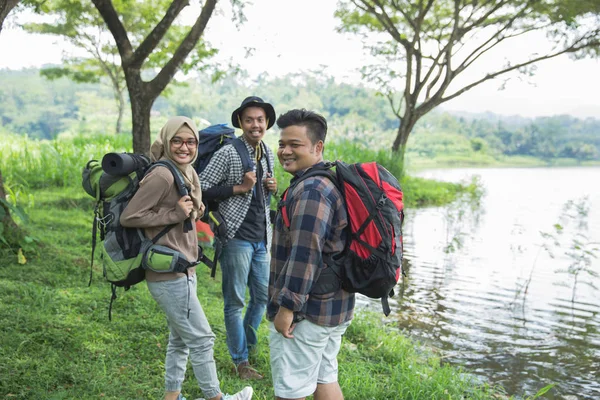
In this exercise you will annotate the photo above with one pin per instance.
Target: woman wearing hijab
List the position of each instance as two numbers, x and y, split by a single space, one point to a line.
157 204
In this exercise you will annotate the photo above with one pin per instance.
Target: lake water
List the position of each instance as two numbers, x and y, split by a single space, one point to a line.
489 287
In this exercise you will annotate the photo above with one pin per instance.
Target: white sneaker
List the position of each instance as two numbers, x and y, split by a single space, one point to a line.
244 394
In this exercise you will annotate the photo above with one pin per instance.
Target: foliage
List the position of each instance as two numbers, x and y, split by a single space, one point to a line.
143 48
30 107
42 163
15 225
569 239
580 251
82 25
35 164
424 48
355 114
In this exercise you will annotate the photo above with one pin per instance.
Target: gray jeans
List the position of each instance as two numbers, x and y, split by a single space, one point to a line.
188 336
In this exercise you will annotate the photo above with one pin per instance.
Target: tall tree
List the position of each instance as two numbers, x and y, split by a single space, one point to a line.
426 45
5 7
80 23
6 221
142 94
82 26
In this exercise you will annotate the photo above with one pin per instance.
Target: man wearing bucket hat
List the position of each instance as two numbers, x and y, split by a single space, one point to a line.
244 199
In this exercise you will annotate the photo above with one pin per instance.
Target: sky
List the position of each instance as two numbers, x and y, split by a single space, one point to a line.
293 35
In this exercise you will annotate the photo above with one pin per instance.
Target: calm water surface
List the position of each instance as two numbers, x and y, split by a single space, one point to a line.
489 286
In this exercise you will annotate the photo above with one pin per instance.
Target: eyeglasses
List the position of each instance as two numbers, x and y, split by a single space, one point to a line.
178 142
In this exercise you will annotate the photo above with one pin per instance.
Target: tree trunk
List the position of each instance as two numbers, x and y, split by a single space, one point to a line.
143 94
141 105
140 113
121 111
407 123
5 7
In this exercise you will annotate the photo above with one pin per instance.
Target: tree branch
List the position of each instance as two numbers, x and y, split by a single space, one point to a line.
387 24
151 41
474 54
571 49
464 66
109 14
390 97
163 78
5 7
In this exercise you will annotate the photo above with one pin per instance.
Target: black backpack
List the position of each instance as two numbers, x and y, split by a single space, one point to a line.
371 263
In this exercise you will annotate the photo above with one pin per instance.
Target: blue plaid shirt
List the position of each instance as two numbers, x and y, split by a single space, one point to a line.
317 221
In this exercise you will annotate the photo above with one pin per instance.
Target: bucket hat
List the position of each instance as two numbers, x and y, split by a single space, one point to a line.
253 101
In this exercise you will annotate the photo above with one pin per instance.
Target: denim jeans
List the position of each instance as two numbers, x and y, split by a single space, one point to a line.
188 336
244 264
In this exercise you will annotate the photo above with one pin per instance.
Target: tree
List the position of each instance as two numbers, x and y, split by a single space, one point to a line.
6 222
82 26
5 7
142 94
425 45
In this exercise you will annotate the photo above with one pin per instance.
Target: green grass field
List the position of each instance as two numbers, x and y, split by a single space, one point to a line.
57 341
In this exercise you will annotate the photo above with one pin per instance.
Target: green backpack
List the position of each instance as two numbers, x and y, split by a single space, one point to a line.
126 252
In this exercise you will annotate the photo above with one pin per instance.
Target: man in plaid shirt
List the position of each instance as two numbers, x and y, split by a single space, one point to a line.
244 199
308 308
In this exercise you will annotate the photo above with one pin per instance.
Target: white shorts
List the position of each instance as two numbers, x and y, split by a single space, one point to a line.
299 364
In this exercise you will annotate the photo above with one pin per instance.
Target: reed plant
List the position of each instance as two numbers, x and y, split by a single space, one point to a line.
28 163
34 163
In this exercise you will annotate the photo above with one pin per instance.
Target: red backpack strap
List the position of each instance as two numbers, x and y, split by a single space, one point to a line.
284 212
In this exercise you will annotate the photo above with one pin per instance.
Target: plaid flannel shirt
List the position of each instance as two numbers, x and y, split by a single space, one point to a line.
317 221
225 168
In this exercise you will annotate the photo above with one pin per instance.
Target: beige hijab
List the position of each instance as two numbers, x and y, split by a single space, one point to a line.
161 149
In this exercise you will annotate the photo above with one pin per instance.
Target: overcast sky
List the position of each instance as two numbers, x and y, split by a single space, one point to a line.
294 35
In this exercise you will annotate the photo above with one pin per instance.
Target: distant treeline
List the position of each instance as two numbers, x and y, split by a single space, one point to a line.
32 105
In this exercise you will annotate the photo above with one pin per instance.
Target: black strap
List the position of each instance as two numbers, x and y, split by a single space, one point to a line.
113 289
218 251
240 147
269 167
247 162
162 233
385 305
179 182
94 234
324 170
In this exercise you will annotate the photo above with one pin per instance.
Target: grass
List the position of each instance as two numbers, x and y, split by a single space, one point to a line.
34 163
57 342
28 164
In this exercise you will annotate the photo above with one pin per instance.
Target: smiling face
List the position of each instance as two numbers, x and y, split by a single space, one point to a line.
296 151
254 124
183 147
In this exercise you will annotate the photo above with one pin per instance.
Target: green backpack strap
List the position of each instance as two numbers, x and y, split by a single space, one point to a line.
90 180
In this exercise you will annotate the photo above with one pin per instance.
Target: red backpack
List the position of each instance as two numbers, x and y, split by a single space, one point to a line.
372 260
